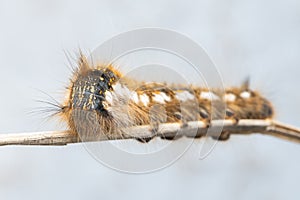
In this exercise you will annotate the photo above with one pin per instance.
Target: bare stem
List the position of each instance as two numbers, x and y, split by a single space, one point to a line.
243 127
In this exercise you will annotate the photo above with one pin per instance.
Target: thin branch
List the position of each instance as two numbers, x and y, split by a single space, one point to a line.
243 127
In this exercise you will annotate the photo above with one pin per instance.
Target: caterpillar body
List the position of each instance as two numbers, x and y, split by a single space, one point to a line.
101 100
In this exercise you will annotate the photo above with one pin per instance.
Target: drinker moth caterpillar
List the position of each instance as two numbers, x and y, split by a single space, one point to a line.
101 99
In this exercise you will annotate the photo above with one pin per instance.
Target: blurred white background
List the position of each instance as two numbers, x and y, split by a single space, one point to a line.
253 37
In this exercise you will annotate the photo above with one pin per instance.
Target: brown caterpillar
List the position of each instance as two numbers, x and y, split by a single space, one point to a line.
100 99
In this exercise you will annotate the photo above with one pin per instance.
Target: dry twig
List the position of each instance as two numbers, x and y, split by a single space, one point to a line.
243 127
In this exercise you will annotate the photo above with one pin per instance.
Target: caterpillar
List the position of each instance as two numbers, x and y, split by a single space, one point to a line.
101 100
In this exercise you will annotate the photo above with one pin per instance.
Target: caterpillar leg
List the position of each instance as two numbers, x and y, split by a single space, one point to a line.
231 115
144 140
223 137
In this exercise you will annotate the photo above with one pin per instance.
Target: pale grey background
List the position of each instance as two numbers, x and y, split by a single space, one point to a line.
256 38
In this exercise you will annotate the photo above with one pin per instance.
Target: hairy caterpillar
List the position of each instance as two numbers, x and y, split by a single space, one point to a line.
101 100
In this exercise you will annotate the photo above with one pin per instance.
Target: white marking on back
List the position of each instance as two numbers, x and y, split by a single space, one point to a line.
166 97
245 94
109 97
161 97
229 97
209 96
144 99
121 90
134 96
184 95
